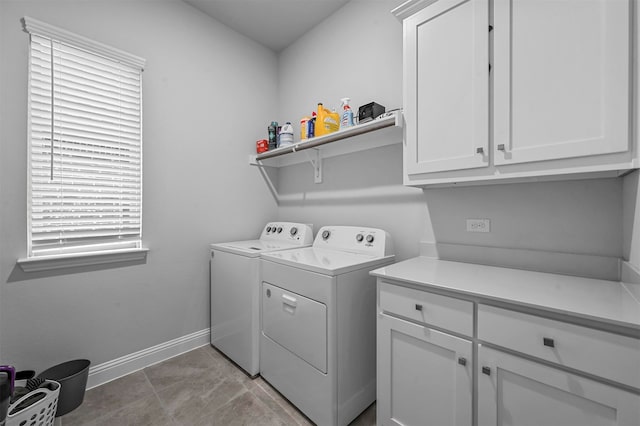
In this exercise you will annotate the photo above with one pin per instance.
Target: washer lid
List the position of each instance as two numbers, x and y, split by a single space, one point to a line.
253 248
323 261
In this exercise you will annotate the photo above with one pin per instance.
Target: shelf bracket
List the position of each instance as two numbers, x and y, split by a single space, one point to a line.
265 175
316 162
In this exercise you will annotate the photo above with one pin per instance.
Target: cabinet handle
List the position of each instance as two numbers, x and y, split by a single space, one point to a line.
288 300
462 361
418 307
548 342
480 150
501 147
486 370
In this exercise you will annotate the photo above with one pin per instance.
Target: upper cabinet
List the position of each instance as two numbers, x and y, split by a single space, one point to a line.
561 82
522 89
446 87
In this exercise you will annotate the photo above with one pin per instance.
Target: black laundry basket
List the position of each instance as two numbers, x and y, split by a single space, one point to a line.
72 376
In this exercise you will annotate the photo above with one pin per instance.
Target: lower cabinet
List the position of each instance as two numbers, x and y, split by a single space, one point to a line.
425 376
529 369
516 391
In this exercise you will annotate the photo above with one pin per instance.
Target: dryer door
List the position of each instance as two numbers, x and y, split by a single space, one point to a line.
297 323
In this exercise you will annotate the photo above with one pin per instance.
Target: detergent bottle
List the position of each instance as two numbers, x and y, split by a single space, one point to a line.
303 128
326 121
347 114
311 126
286 134
273 135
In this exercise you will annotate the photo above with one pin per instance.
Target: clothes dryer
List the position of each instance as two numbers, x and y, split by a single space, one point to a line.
235 290
318 339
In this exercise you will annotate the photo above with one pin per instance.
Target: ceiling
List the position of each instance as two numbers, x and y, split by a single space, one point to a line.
273 23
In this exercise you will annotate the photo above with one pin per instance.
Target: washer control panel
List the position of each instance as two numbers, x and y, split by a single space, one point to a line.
355 239
301 233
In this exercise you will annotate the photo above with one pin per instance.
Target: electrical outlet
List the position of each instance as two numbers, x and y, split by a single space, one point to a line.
478 225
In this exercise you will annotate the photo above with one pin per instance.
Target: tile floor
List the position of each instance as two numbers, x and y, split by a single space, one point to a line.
200 387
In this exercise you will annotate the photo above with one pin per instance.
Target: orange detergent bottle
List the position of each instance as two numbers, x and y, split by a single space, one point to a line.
326 121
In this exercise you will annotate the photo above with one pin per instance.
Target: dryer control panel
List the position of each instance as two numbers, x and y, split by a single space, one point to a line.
298 233
355 239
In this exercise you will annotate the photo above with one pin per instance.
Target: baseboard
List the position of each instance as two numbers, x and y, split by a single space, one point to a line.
111 370
581 265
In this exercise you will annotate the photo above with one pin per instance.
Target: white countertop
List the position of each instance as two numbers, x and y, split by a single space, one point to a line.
609 302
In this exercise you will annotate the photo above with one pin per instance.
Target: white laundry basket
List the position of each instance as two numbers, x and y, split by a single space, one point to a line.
40 413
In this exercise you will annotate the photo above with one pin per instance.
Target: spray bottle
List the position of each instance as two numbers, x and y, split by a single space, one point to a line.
346 120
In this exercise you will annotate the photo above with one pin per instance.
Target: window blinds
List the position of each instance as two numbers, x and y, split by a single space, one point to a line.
85 150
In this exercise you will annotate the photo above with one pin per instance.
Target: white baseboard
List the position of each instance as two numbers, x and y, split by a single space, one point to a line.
581 265
111 370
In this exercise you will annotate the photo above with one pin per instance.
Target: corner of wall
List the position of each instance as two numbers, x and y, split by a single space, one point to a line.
631 218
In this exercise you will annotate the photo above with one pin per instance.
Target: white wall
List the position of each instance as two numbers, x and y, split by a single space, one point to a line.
202 83
631 219
573 217
356 53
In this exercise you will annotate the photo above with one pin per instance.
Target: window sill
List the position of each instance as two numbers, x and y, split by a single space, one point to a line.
46 263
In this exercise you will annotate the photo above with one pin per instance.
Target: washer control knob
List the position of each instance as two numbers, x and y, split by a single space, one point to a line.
268 229
370 238
293 231
279 229
359 238
325 235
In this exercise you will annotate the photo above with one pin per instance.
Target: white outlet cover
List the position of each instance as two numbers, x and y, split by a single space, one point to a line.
478 225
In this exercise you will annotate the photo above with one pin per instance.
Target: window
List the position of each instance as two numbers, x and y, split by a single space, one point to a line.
85 145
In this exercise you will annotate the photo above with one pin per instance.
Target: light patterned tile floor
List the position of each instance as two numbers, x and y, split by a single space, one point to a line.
198 388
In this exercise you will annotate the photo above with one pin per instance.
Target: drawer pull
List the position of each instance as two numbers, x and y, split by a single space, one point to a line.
289 301
462 361
418 307
486 370
548 342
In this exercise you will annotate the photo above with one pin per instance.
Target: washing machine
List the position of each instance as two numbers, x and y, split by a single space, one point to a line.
318 338
235 290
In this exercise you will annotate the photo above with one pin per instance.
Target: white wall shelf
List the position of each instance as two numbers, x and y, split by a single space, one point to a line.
373 134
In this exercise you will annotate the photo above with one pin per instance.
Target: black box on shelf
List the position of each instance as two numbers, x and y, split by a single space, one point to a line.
369 112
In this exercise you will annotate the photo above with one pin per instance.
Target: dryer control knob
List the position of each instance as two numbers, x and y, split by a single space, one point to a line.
325 235
268 229
370 238
279 229
359 238
293 231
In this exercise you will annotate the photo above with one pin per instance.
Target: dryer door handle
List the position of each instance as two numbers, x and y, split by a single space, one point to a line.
289 300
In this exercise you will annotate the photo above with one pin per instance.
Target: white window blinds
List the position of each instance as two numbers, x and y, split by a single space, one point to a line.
85 119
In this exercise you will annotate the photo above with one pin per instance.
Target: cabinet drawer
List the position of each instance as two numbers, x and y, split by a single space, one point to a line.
596 352
441 311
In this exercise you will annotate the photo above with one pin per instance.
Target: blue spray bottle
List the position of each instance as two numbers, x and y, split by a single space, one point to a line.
346 120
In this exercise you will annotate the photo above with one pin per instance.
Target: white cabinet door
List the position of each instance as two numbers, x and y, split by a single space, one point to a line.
446 86
424 376
517 391
561 79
